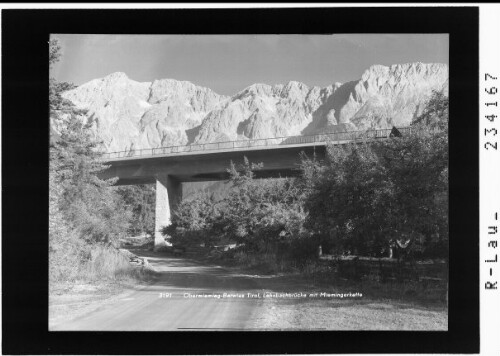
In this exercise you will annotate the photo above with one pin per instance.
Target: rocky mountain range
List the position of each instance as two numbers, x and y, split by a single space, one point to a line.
128 115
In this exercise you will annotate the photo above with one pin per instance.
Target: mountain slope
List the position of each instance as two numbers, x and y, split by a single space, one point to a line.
127 114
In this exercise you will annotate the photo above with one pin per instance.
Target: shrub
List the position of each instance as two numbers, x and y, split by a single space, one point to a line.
193 221
140 201
106 263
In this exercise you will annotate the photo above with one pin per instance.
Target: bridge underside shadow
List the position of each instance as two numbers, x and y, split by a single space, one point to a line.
220 176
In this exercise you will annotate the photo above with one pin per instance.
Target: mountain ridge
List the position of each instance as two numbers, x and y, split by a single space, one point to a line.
128 115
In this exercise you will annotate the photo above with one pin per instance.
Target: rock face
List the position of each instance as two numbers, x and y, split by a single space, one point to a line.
128 115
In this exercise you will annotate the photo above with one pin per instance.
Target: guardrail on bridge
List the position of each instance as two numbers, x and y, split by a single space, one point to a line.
261 142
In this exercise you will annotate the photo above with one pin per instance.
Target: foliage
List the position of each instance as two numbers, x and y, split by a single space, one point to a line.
192 221
436 113
54 51
343 204
259 214
140 201
110 264
85 213
418 165
87 202
256 212
391 194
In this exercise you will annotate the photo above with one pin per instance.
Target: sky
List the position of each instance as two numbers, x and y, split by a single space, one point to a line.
229 63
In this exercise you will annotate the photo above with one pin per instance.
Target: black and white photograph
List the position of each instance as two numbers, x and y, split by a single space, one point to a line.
249 179
248 182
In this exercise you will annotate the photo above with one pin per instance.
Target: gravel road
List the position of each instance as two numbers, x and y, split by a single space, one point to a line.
192 295
187 295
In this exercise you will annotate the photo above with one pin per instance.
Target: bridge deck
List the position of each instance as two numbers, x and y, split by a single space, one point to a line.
253 144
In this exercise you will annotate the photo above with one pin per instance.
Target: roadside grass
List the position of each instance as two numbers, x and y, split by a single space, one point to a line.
317 276
391 305
418 293
110 264
102 266
383 306
265 263
338 314
103 275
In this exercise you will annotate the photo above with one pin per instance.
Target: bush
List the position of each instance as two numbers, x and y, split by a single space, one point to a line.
263 262
193 221
66 256
255 212
304 250
107 263
140 201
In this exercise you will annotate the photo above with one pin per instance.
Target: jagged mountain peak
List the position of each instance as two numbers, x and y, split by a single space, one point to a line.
255 89
164 89
393 95
416 68
112 80
292 84
174 83
376 70
116 76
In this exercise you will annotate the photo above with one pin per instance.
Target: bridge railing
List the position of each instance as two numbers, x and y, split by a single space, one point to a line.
260 142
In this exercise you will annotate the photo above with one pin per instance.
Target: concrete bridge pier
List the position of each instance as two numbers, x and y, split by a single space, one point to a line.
168 195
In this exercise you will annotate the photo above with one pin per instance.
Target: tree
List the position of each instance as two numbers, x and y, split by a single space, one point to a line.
436 113
193 221
261 213
258 213
417 164
94 209
54 51
393 193
140 201
341 204
417 168
83 210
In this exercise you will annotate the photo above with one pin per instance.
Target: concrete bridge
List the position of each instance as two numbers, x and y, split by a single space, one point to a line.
169 167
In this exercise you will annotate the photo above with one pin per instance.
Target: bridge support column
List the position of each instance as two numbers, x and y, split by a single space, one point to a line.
168 195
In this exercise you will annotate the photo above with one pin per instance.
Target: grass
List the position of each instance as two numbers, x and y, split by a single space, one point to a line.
348 315
80 285
326 278
100 265
109 264
383 306
402 291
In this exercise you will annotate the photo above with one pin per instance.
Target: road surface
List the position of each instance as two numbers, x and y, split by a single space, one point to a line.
184 297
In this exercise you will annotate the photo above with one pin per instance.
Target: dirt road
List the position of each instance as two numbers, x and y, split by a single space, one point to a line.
184 297
190 295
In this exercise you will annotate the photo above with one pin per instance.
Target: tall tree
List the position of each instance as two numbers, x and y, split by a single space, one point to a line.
391 193
83 210
341 204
